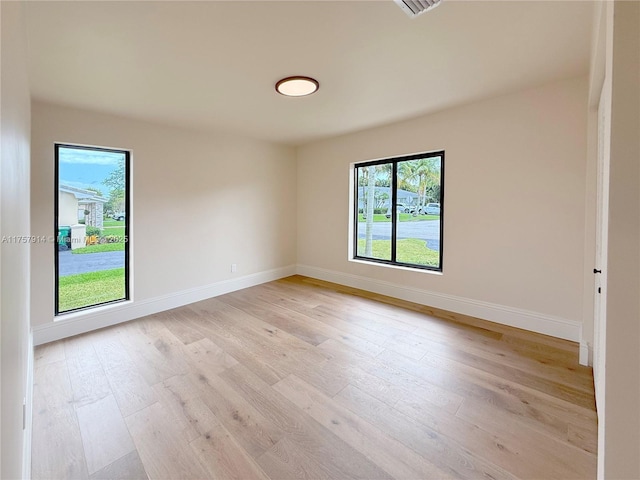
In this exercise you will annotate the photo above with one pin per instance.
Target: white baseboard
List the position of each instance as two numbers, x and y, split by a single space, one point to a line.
28 425
586 354
513 317
82 322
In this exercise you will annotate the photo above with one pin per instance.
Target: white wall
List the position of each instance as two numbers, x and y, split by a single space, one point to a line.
14 257
201 201
514 207
620 418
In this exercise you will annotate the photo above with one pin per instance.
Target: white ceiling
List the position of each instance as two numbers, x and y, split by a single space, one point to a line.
213 64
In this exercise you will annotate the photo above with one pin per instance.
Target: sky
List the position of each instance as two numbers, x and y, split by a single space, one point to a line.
79 167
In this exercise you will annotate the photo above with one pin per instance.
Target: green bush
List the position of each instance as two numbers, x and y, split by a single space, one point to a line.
376 211
91 231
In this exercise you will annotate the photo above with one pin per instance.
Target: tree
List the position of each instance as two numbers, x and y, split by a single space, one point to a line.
421 176
369 196
95 190
116 179
408 176
116 183
383 175
115 204
381 199
431 187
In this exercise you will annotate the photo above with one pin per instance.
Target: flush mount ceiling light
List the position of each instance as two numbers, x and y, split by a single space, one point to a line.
297 86
413 8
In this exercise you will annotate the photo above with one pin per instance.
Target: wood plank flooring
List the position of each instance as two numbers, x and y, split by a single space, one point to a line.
302 379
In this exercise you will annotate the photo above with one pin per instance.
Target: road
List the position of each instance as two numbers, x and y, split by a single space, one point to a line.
427 230
70 264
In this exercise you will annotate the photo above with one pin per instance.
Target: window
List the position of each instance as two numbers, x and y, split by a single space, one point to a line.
91 227
398 211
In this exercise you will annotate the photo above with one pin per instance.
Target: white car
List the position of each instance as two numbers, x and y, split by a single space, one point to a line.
432 209
400 208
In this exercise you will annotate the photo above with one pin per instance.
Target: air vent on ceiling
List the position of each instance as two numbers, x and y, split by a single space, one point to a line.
413 8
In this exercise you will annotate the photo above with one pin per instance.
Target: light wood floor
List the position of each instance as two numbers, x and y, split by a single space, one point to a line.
304 379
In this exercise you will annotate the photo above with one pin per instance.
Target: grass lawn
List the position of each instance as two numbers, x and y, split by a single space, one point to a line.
407 217
84 289
113 223
409 250
380 249
117 230
404 217
377 217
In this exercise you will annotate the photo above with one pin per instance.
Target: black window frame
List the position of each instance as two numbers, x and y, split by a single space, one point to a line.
394 161
127 170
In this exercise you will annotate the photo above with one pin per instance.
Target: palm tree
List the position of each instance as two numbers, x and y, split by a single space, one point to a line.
431 181
428 173
407 176
420 176
369 206
383 175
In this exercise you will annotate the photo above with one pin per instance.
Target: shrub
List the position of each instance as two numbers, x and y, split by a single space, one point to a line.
376 211
91 231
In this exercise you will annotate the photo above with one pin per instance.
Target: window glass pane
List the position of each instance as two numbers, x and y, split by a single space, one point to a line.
91 223
373 228
398 205
418 225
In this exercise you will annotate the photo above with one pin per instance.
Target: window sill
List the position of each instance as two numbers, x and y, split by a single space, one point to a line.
92 311
397 267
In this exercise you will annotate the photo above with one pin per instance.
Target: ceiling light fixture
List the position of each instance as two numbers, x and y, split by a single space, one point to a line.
297 86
